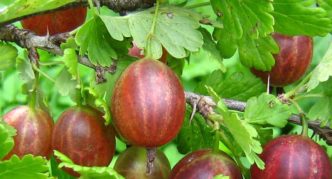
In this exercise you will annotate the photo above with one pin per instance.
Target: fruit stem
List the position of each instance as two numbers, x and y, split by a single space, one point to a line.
216 143
33 92
151 156
152 30
35 68
317 95
51 63
299 86
304 126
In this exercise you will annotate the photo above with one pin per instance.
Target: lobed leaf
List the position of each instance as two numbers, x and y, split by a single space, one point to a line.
294 17
175 29
94 39
267 109
247 25
322 72
7 133
236 85
29 167
88 172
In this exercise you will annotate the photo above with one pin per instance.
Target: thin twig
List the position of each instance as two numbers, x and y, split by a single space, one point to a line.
206 105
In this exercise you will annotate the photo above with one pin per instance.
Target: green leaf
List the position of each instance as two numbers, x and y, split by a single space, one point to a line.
65 83
211 47
29 167
98 101
257 53
247 25
321 108
294 17
57 172
8 57
322 72
175 29
267 109
70 60
7 133
176 65
23 7
244 135
239 85
25 69
326 5
195 134
88 172
94 39
265 134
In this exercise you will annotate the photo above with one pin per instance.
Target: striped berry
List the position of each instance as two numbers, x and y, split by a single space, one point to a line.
291 62
148 104
33 131
81 135
205 164
293 156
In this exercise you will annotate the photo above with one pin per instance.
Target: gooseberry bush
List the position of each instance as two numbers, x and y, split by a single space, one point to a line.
165 89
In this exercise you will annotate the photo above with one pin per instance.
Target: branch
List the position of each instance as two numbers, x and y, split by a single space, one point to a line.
121 6
205 106
30 40
27 39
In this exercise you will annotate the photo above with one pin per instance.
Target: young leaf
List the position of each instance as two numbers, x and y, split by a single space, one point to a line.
322 72
245 135
8 56
195 134
29 167
7 133
70 60
98 101
266 109
295 17
88 172
175 29
65 83
25 69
